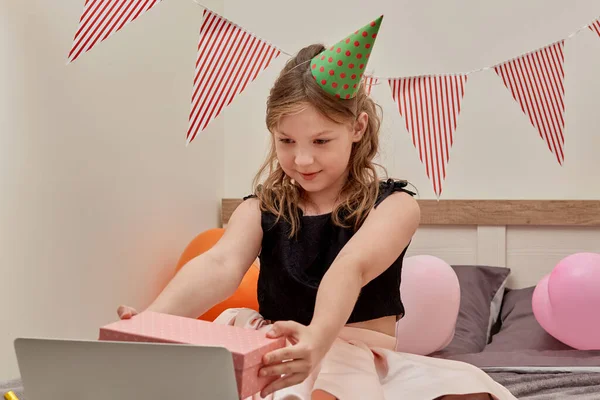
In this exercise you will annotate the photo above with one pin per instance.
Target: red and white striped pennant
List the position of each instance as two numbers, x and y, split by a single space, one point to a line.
430 106
370 81
228 59
595 27
535 81
102 18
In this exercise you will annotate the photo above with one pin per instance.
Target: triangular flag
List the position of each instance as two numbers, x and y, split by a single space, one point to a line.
339 69
430 106
370 81
228 59
535 81
596 26
102 18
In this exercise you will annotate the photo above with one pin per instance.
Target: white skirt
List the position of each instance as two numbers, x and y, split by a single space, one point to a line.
362 365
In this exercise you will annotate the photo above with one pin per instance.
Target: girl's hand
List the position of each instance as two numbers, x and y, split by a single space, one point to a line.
126 312
295 362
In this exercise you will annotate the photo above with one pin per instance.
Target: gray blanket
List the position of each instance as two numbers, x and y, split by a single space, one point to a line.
550 386
526 386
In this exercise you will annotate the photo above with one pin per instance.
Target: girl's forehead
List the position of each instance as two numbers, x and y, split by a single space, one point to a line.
307 120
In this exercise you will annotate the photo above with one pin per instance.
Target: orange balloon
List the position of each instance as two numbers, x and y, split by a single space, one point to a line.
244 297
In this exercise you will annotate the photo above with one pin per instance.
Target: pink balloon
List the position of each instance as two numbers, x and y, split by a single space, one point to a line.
431 296
566 302
540 303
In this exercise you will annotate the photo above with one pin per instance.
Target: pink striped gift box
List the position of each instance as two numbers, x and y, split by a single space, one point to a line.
247 346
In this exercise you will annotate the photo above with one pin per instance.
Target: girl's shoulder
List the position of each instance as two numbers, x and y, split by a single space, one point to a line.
389 186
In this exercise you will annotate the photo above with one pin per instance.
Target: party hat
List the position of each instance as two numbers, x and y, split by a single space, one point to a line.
339 69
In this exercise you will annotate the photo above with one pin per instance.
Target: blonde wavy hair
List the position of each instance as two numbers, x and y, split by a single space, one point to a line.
293 90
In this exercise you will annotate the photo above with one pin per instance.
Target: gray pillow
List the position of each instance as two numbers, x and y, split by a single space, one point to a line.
519 330
481 294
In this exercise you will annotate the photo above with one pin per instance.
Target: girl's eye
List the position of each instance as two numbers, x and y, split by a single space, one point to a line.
321 141
286 141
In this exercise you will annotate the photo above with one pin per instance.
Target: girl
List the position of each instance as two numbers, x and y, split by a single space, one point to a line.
331 238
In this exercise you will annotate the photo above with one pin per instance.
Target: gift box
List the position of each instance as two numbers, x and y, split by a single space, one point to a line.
247 346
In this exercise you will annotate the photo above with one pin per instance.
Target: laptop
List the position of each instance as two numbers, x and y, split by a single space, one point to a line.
59 369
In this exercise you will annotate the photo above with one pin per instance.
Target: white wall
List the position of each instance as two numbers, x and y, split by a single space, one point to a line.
99 194
494 143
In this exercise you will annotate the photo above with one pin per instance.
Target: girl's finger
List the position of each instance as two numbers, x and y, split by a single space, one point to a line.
282 383
287 328
286 368
126 312
285 353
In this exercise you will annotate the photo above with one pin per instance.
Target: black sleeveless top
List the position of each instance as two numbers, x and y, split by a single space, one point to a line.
292 268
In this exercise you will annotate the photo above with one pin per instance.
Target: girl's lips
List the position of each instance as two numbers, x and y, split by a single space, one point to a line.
310 176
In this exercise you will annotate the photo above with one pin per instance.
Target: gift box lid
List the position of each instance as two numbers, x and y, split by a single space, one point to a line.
246 345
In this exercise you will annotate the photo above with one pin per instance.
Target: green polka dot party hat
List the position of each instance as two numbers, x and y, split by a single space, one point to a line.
340 68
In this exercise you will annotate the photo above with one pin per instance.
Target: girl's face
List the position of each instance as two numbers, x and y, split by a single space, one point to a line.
315 151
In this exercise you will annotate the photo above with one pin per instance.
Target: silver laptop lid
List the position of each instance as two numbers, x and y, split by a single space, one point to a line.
58 369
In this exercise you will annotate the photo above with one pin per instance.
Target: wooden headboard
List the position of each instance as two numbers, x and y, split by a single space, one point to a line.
528 236
492 212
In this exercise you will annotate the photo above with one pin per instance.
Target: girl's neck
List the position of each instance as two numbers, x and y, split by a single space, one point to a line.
324 201
316 204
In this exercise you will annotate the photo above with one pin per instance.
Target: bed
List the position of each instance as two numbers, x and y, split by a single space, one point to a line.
499 250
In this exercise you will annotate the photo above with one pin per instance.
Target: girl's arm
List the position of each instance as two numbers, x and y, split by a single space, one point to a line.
378 243
214 275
